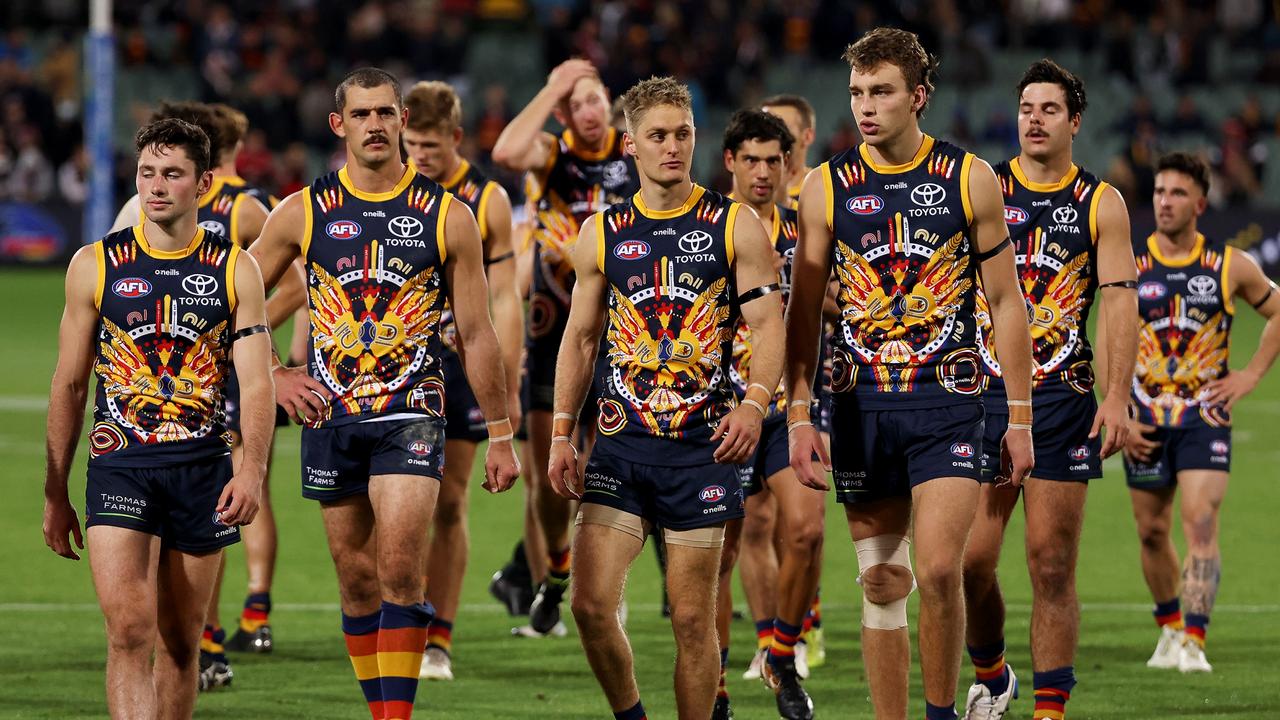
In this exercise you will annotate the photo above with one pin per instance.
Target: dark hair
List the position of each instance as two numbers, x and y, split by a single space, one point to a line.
900 48
365 77
196 113
1048 71
748 124
172 132
1187 164
232 125
797 103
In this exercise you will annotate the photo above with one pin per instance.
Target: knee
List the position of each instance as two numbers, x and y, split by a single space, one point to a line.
690 624
358 585
1201 528
592 613
804 537
450 514
938 576
130 635
884 584
1153 536
1052 570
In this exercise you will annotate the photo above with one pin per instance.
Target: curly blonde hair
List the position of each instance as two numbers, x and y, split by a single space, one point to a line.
648 94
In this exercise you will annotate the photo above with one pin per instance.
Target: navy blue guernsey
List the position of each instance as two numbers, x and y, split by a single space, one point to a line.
1186 313
574 184
163 338
783 232
375 271
663 371
1054 229
475 190
904 259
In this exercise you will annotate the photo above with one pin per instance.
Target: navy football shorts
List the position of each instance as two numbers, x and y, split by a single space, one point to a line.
338 460
675 498
1199 447
1060 436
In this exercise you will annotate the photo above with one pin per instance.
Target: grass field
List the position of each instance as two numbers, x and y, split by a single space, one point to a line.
52 646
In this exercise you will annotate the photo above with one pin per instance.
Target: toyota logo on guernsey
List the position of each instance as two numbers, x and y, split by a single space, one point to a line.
1065 215
695 242
403 226
342 229
962 450
631 250
200 285
1202 285
131 287
928 194
865 205
712 494
1014 215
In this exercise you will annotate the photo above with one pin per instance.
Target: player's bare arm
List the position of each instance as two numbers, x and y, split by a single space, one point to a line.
251 355
275 250
1009 321
1250 284
755 272
504 302
809 273
1117 280
67 396
576 361
523 144
478 342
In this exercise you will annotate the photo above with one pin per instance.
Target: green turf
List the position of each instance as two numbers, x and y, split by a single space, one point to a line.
52 644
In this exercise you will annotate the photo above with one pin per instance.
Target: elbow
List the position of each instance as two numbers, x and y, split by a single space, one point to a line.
504 156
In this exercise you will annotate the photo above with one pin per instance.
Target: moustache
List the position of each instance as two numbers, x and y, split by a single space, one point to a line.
376 138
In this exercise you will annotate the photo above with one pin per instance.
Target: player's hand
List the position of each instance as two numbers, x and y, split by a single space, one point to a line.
567 74
1017 457
738 433
1139 448
238 504
803 442
1225 391
301 395
501 466
1114 416
563 470
60 521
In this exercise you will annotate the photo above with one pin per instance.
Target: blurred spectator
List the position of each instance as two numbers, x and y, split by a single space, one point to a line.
1186 119
73 177
32 177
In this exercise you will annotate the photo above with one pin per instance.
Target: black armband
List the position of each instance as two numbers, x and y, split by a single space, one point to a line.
504 256
1126 284
757 293
251 330
1263 300
999 248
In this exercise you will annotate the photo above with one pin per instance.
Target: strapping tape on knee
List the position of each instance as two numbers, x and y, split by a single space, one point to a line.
884 550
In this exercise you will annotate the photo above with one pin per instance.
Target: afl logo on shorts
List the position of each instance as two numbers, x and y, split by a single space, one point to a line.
342 229
865 205
420 448
712 494
1079 452
1014 215
631 250
1220 447
1151 290
131 287
962 450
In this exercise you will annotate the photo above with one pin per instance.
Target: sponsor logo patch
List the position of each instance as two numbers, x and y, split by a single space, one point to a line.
1065 215
420 448
1014 215
631 250
1151 290
928 194
712 494
865 205
1079 452
962 450
343 229
1220 447
403 226
695 242
199 284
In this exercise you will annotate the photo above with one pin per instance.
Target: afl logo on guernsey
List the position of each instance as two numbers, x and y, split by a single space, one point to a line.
1151 290
631 250
865 205
342 229
131 287
1014 215
712 494
962 450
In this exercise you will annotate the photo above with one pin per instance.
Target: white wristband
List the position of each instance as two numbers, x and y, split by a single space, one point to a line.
498 422
1020 426
565 416
766 390
756 405
1019 403
502 438
561 438
801 403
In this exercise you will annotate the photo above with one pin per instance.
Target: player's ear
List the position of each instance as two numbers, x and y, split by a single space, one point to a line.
457 135
206 182
728 160
560 114
628 144
335 124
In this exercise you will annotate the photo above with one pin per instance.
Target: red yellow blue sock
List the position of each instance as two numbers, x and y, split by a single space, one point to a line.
764 634
558 567
989 667
722 691
1196 627
211 641
939 712
1169 614
1053 690
783 648
440 635
361 633
635 712
402 636
257 606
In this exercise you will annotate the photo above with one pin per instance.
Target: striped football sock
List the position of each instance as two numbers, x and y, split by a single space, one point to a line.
1169 614
783 648
1053 690
989 667
764 634
440 635
558 567
257 606
1196 627
402 636
722 691
362 646
635 712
